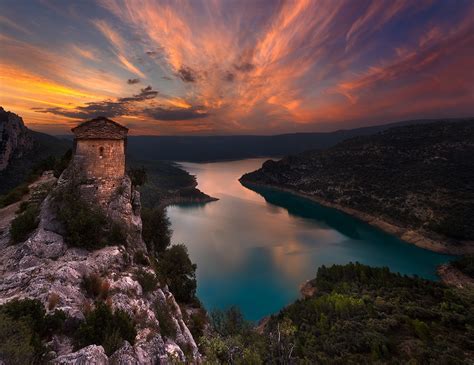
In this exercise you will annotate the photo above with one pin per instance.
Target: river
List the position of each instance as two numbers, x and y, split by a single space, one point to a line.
253 250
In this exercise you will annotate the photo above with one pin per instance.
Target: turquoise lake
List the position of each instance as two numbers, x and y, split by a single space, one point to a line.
255 249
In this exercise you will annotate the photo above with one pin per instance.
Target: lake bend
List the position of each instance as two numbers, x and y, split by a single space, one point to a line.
254 249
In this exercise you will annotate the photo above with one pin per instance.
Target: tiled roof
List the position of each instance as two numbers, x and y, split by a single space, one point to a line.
100 128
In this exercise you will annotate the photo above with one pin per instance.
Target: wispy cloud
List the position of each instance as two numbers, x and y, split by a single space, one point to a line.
242 67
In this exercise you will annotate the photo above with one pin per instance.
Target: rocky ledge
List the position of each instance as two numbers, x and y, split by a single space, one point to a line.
45 268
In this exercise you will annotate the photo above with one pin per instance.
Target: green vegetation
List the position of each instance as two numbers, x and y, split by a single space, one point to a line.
167 183
138 176
106 328
24 327
465 264
232 340
86 226
179 273
165 319
147 280
156 230
428 167
359 314
25 223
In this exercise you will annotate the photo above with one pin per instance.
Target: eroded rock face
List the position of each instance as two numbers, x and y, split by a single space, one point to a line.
44 267
15 140
88 355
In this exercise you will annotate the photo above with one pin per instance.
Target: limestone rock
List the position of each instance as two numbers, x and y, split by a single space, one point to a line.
93 355
15 140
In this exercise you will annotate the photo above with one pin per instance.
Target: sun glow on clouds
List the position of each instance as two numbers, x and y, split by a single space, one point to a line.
237 67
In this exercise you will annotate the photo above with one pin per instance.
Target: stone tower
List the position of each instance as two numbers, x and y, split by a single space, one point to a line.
99 157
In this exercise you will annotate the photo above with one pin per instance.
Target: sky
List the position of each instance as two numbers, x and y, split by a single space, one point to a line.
217 67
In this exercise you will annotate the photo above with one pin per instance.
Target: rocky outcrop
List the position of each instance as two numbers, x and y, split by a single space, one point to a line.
44 267
450 275
15 139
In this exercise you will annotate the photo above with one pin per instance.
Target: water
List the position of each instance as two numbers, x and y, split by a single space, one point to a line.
254 249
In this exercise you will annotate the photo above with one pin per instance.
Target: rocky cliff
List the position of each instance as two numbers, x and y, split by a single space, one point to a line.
413 181
15 139
46 268
22 149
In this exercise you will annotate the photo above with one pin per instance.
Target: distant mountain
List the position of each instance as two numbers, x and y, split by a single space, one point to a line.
414 181
214 148
21 149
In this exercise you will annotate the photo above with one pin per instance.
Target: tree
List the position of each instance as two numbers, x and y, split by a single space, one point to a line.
138 176
176 269
156 230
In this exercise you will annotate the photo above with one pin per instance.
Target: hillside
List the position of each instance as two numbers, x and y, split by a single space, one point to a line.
414 181
353 314
215 148
21 149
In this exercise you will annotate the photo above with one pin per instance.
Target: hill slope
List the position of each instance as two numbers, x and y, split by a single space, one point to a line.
213 148
414 181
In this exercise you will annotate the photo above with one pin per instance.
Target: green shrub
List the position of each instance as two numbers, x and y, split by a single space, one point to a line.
197 323
167 326
229 322
465 264
141 258
156 230
86 226
421 329
147 280
138 176
24 327
176 269
16 339
106 328
25 223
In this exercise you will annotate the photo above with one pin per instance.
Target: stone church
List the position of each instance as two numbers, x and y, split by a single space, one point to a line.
99 156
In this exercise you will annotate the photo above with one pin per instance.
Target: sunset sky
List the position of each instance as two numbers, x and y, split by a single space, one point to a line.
235 66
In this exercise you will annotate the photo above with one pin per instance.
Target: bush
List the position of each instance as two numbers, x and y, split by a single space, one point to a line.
156 230
138 176
167 326
229 322
197 323
176 269
465 264
16 339
24 326
147 280
24 224
106 328
85 225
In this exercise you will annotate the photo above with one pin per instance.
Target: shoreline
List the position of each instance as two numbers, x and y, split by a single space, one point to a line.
181 201
411 236
454 277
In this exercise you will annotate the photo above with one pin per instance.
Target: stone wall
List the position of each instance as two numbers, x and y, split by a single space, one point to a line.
101 158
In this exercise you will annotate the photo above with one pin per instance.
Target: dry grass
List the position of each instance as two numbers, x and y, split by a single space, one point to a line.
53 301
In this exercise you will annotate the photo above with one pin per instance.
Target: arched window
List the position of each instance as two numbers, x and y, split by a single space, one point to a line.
101 152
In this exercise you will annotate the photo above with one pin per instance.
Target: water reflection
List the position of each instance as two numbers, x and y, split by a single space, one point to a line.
254 248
